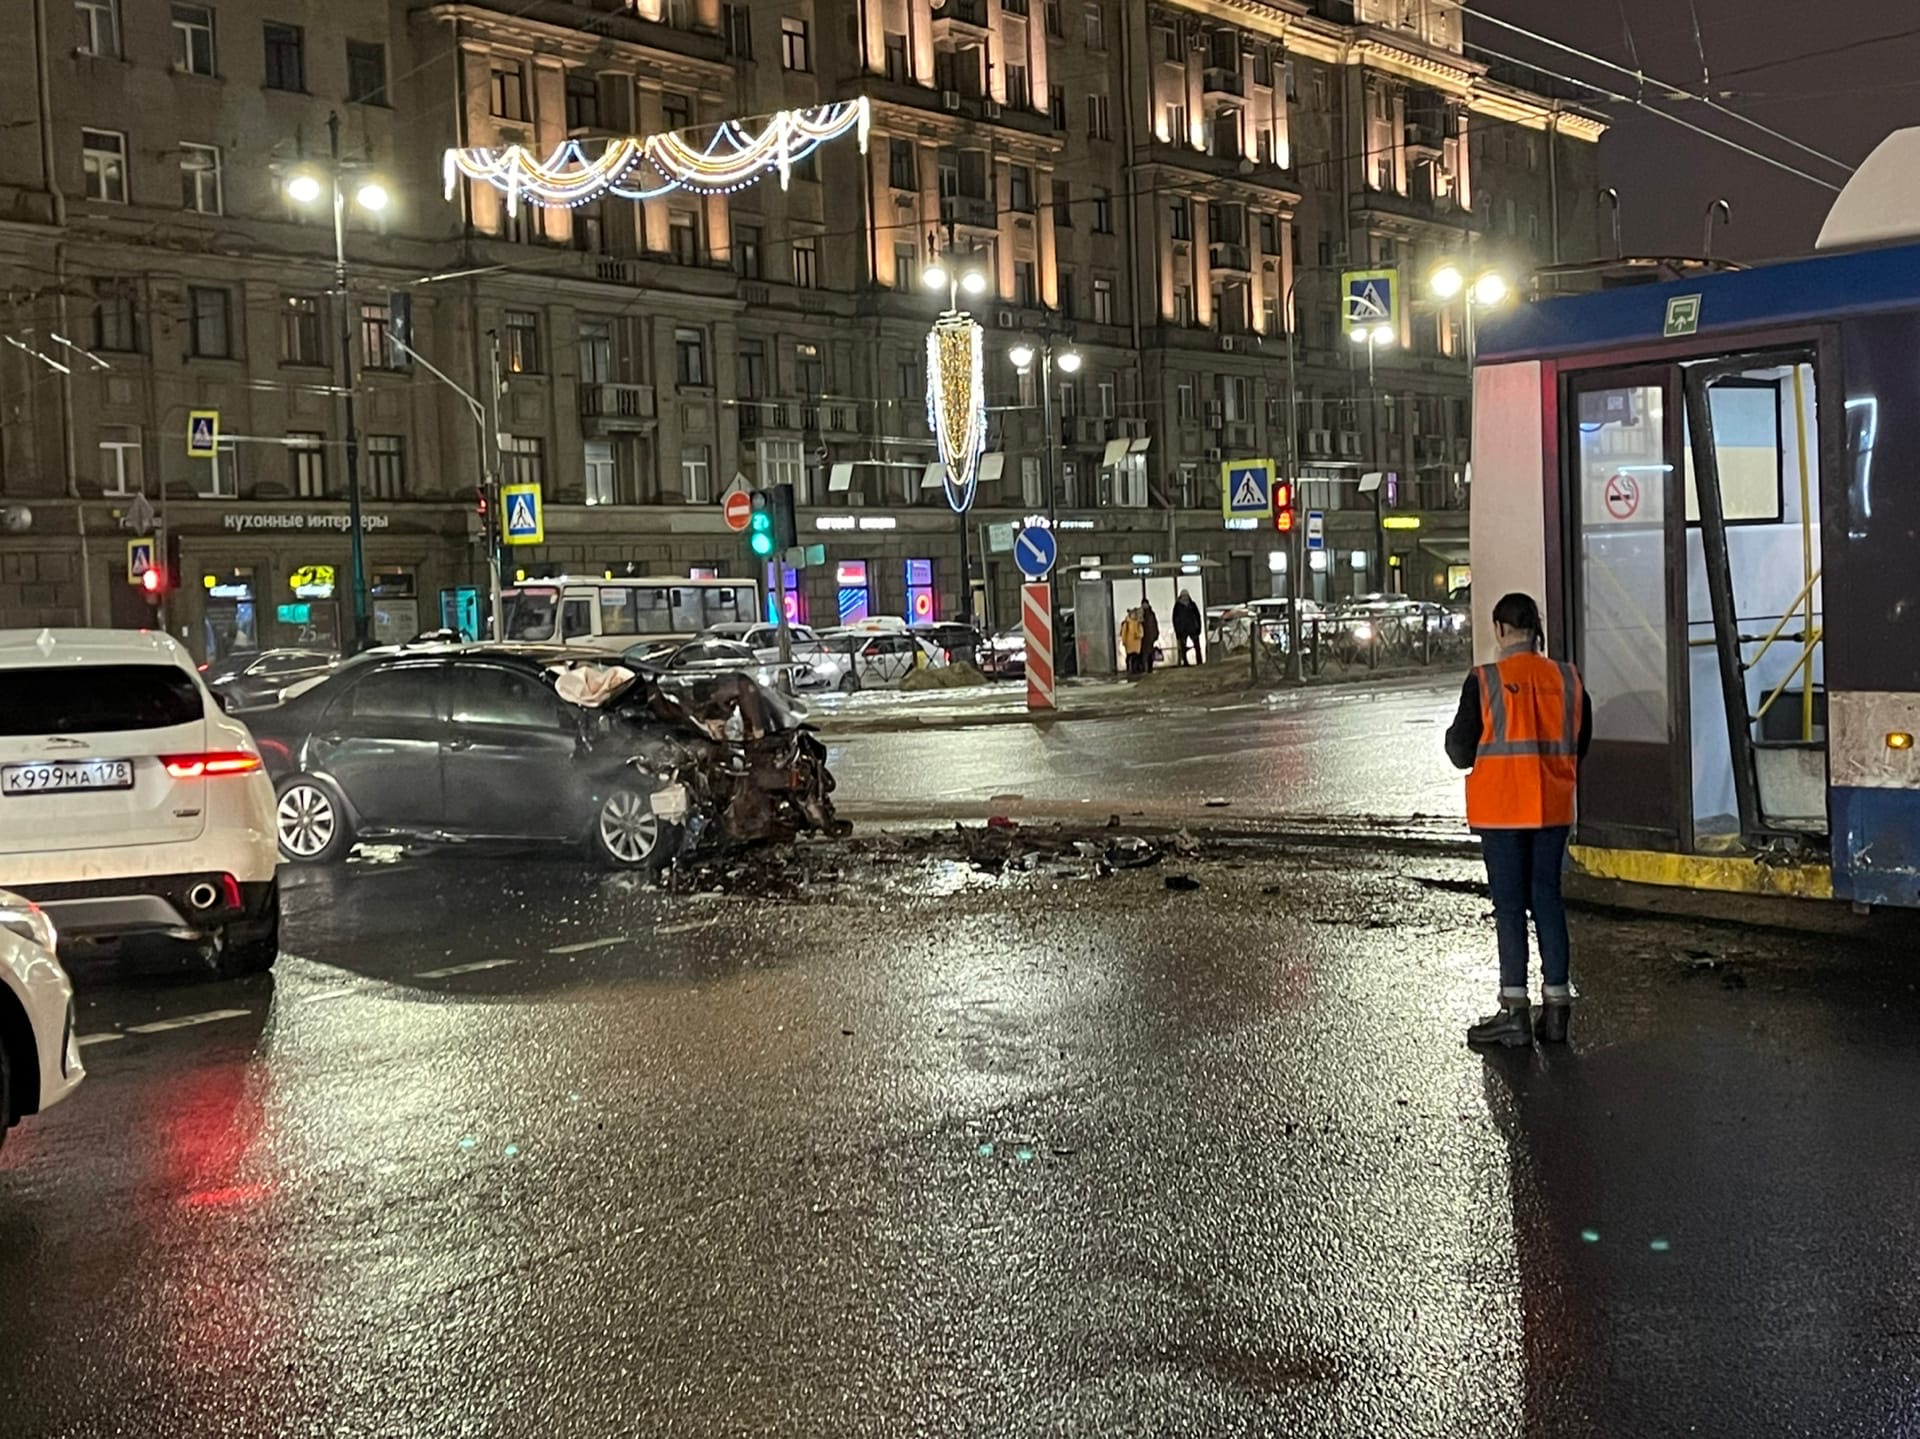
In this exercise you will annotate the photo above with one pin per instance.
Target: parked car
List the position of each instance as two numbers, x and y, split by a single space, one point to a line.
713 656
876 659
39 1055
1005 655
764 639
130 803
496 743
253 678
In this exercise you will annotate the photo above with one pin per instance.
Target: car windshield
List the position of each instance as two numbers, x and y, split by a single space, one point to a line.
219 671
529 614
96 698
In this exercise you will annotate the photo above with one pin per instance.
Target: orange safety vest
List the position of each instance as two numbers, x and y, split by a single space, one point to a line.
1528 764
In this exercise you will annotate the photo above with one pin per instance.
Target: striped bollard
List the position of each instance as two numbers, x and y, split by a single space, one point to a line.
1036 617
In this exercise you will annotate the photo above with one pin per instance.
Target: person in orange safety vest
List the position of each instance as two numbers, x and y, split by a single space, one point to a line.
1522 729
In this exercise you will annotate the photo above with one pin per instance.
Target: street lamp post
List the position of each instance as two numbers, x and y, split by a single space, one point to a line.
1023 356
1489 289
957 275
306 187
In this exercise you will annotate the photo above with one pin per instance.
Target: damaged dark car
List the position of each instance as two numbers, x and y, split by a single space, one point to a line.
479 743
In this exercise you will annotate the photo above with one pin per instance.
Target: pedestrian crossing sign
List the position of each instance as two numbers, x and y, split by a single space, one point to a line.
1373 298
203 434
521 522
139 558
1246 489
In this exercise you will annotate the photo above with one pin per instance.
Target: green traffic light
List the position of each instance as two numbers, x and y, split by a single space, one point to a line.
762 543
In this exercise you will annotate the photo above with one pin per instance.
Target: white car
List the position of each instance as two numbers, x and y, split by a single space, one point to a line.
130 803
39 1055
870 659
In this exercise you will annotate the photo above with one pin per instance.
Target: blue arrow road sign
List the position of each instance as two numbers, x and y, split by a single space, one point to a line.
1035 551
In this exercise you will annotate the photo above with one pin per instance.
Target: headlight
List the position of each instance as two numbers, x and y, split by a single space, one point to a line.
30 922
1363 632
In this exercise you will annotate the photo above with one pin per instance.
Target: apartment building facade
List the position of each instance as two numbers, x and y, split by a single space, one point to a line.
1170 188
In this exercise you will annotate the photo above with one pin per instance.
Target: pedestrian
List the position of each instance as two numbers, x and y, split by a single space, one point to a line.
1186 626
1522 729
1132 632
1149 636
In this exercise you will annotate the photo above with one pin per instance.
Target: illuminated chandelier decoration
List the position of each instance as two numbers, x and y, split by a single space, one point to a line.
645 169
957 402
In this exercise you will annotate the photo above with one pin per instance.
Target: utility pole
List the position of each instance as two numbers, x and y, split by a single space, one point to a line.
356 539
495 518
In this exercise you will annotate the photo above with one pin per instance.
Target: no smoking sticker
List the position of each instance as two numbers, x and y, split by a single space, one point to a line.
1623 496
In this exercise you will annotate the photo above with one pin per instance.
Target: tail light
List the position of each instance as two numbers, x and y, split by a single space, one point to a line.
206 766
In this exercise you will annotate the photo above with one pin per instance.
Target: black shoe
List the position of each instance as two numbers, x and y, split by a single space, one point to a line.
1511 1027
1552 1028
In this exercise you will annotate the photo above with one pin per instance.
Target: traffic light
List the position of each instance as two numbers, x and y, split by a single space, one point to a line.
154 583
480 504
760 537
785 535
1283 507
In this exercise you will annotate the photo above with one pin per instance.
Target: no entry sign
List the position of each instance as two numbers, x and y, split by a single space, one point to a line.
737 509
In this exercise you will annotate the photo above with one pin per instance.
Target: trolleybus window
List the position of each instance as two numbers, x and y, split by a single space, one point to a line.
529 614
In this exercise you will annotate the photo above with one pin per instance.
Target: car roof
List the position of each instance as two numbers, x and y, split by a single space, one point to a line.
20 649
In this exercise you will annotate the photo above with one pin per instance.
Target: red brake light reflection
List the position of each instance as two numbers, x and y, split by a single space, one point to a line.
205 766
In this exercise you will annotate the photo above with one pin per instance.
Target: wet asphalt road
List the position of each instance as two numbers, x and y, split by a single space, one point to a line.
1351 750
902 1146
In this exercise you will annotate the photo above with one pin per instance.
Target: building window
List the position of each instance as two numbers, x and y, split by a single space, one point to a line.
1056 27
1183 305
794 50
1099 116
1019 92
116 316
386 466
683 236
286 57
676 110
1103 399
737 21
1183 402
99 27
520 348
1062 205
601 485
307 463
896 67
782 462
1178 131
121 471
1102 210
752 374
193 39
212 329
1269 234
1102 301
903 167
806 262
522 460
690 357
1096 28
746 251
596 352
509 97
300 342
909 381
1057 106
906 268
696 474
376 325
1063 287
583 101
1180 219
103 158
1020 189
366 73
1025 292
200 179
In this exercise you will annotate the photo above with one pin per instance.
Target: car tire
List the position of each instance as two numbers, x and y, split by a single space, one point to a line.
849 684
310 820
627 834
256 953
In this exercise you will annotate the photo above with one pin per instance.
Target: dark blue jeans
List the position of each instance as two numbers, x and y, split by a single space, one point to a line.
1523 871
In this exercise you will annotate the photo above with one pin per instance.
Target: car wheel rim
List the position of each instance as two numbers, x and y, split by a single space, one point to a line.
307 821
629 828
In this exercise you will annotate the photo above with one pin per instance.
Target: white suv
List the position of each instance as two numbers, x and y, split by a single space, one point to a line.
130 803
39 1055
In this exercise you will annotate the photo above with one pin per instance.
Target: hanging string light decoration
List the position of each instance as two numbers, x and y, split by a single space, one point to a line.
957 402
736 155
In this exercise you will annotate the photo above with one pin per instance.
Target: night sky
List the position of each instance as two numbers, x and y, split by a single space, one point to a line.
1837 75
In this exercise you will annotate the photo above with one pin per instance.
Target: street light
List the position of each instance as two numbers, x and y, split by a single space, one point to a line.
306 186
1023 356
1488 289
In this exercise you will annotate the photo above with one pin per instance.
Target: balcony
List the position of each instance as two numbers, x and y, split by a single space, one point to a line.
1426 141
1244 169
959 105
969 212
1229 255
964 17
761 417
1216 81
607 409
1423 207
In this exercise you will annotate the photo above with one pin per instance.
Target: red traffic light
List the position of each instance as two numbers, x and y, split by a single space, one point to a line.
152 581
1282 507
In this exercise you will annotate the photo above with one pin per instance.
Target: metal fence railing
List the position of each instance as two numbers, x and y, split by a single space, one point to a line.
1338 642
